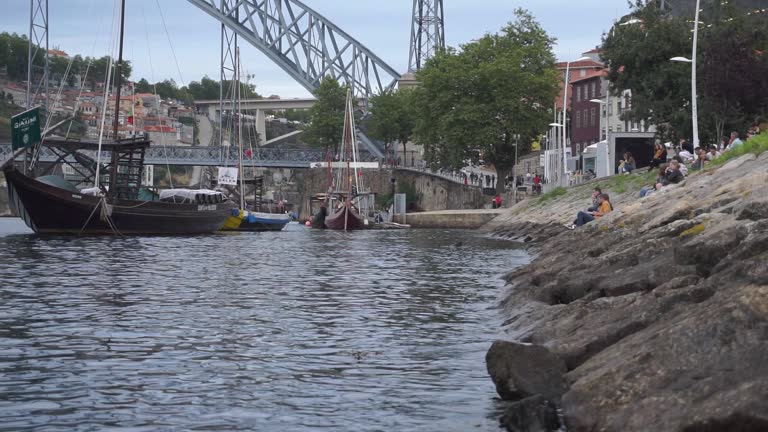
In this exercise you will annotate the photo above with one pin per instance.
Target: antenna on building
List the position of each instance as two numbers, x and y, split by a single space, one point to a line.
427 32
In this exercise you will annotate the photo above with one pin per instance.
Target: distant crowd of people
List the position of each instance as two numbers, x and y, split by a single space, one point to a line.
670 171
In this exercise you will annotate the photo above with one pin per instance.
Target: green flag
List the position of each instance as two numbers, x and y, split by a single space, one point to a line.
25 129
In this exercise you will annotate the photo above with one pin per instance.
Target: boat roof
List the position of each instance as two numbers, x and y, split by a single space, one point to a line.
80 144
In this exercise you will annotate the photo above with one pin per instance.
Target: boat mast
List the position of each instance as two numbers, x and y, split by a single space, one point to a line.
118 71
239 129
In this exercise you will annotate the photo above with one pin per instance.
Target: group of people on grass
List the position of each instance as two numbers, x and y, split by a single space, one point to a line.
670 171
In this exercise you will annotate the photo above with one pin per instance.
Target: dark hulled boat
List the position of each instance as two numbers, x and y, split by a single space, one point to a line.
347 218
48 206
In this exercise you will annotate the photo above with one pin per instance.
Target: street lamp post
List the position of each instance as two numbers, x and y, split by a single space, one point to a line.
692 61
554 167
567 80
607 104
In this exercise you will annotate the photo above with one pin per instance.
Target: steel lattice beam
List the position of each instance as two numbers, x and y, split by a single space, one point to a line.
304 43
427 32
38 40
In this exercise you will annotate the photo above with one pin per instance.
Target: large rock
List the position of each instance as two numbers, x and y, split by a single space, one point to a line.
522 370
705 366
533 414
659 312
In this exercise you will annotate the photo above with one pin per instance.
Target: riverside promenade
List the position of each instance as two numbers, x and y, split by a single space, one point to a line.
450 219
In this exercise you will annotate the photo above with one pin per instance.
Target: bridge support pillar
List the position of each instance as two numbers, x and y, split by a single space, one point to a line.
261 126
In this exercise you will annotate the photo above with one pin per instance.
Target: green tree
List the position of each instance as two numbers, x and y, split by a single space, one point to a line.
143 86
392 117
327 115
731 68
638 59
481 101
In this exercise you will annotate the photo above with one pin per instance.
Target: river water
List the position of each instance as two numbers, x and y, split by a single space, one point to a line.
300 330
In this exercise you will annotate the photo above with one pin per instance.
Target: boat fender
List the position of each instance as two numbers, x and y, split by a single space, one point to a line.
251 218
235 212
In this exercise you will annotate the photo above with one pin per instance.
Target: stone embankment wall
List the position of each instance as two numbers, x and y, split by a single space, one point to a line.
653 318
435 193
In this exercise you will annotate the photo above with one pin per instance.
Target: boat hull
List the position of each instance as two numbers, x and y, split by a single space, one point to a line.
48 209
346 219
256 221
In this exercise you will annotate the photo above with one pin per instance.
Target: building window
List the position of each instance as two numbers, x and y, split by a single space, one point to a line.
592 89
578 118
578 94
618 127
618 106
594 116
610 109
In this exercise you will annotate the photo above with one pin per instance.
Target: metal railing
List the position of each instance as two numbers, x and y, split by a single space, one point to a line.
212 156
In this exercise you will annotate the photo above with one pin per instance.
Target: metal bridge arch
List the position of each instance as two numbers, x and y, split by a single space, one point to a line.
304 43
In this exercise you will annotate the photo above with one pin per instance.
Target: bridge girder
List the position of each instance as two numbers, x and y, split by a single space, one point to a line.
303 43
427 32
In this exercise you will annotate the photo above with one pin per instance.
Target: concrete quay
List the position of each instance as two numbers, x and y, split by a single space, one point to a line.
450 219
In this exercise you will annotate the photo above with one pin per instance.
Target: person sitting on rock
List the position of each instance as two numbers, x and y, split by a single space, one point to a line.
627 164
672 175
648 190
701 159
595 201
683 168
583 218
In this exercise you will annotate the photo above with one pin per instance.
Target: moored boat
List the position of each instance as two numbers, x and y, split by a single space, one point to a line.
50 204
349 203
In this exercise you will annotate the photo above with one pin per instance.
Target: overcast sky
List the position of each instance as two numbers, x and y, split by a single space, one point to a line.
83 27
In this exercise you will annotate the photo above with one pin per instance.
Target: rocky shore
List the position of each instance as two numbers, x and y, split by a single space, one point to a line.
653 318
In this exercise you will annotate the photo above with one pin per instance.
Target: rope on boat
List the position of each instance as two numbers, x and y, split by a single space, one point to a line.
105 216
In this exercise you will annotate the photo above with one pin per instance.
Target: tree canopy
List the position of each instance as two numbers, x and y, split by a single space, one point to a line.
479 101
392 117
327 115
732 71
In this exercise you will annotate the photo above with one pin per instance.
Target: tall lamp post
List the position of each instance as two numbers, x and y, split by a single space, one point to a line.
692 61
566 80
607 104
554 168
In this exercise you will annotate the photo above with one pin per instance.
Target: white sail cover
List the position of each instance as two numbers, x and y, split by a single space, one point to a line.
200 196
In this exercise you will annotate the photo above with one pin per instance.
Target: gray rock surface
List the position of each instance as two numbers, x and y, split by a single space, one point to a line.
659 311
522 370
533 414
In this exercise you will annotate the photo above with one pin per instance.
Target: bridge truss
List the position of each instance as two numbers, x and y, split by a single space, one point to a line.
427 32
303 43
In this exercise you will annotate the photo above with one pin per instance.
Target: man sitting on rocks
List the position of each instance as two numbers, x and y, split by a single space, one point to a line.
583 218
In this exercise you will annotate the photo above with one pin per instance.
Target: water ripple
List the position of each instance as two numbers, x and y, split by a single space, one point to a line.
294 331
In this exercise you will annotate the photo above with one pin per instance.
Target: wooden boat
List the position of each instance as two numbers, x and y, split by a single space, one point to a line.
50 204
346 217
47 206
347 200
